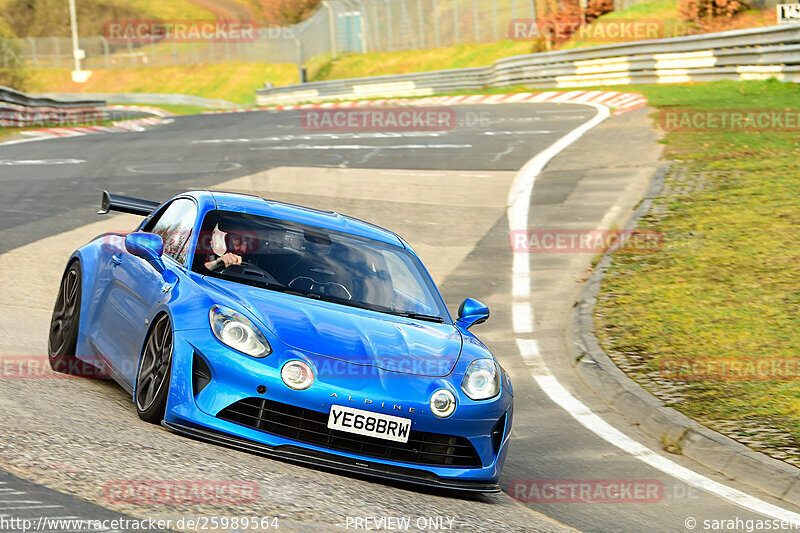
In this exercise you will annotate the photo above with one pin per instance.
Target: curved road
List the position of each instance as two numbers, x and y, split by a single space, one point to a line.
446 192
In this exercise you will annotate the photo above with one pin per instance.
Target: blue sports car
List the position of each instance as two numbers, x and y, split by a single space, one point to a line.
289 332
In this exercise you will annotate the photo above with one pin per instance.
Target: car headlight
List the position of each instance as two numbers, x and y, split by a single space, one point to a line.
443 403
235 330
297 375
482 380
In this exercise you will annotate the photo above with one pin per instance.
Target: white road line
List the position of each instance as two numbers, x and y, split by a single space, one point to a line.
26 507
360 135
522 317
325 136
363 147
520 132
27 140
426 174
27 162
518 205
560 110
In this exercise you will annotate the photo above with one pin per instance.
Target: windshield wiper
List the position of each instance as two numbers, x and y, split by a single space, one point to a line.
291 290
417 316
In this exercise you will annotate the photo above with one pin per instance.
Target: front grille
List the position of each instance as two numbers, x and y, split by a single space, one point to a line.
311 427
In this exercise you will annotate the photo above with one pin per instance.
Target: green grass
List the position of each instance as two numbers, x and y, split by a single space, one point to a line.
725 284
379 63
157 9
50 18
182 109
7 132
669 24
234 82
172 10
664 11
237 82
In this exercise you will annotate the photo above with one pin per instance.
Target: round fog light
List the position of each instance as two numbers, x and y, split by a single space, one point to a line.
297 375
443 403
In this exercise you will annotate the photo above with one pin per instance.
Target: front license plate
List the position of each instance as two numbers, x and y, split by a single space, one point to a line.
368 423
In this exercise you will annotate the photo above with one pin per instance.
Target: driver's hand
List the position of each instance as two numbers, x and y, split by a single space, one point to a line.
229 259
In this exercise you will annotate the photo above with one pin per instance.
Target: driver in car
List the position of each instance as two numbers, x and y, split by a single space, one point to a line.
238 248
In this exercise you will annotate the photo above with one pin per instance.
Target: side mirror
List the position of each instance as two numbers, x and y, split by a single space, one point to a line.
472 312
148 246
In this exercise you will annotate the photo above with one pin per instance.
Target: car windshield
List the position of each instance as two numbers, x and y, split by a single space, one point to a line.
316 263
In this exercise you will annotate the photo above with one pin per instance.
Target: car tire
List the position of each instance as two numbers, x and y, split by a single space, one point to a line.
63 337
154 372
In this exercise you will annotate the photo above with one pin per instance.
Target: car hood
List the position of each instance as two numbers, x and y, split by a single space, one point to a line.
350 334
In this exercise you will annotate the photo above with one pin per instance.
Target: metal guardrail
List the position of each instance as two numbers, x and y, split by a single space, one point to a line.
146 99
18 109
755 53
12 96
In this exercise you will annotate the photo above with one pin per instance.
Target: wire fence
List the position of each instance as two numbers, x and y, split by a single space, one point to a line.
337 27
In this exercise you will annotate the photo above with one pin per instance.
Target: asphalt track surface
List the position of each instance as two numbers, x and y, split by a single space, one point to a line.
75 435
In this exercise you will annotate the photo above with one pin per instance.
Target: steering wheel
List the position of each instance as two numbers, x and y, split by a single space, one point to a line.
326 288
246 268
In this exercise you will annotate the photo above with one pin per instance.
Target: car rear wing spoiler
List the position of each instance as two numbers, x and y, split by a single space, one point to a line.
126 204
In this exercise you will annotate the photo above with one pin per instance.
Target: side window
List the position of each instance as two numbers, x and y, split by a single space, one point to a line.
175 225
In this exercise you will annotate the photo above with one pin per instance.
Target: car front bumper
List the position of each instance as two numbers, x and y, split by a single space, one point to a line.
235 377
